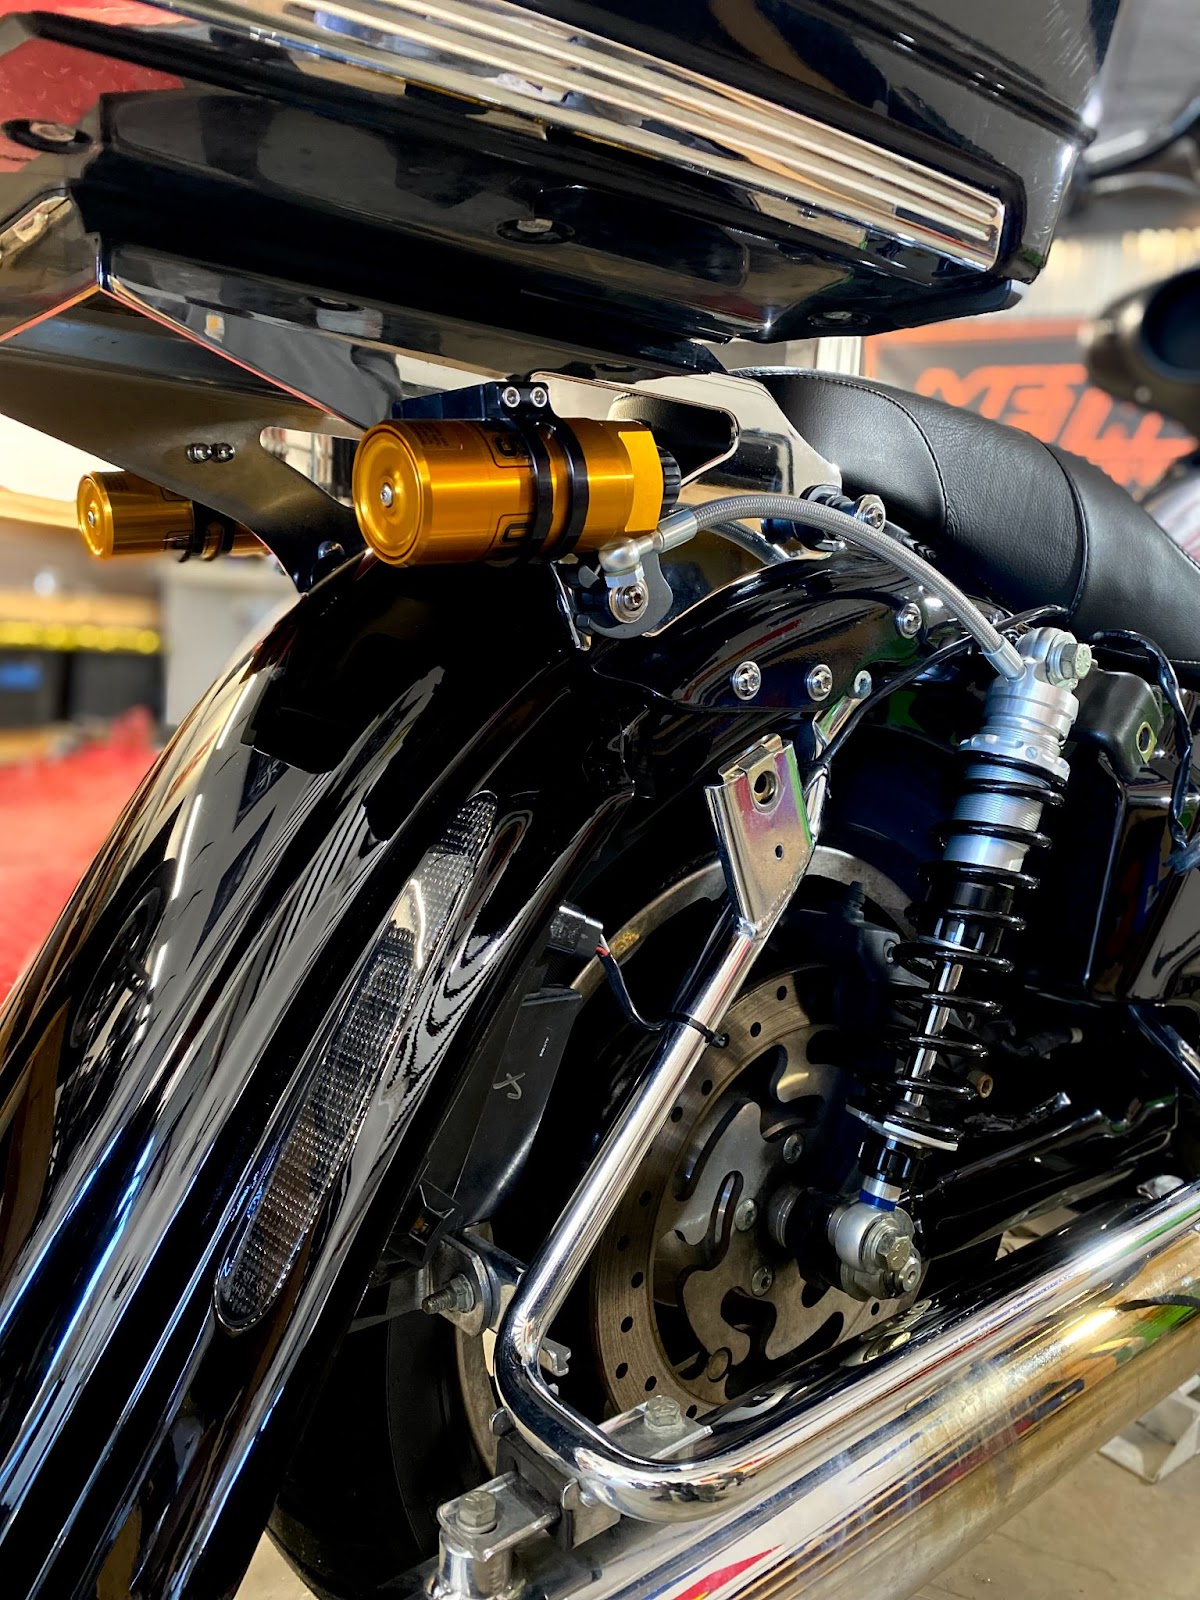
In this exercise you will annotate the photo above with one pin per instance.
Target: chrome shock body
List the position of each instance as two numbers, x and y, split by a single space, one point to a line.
1015 771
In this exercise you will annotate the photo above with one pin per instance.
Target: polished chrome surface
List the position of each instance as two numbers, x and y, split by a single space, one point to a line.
759 898
935 1427
759 817
794 167
766 453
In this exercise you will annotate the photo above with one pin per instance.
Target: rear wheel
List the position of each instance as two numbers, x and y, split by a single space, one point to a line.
688 1293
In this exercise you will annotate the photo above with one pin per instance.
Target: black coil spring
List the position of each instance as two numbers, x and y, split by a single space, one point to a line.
981 898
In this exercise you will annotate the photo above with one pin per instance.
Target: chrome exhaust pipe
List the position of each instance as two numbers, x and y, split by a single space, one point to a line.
913 1445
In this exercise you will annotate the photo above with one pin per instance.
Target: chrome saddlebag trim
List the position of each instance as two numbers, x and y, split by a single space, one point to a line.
789 165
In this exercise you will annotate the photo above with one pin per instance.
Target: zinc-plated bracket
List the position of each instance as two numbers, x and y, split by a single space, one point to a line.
762 829
479 1534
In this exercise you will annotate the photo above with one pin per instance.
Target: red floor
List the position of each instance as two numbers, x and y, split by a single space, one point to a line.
54 815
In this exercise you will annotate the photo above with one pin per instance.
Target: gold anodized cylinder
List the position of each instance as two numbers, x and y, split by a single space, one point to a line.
121 514
449 491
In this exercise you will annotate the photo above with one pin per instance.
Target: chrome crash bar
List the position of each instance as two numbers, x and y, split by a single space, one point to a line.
765 826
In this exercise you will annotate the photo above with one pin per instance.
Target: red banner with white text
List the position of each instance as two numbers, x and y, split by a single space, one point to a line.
1028 373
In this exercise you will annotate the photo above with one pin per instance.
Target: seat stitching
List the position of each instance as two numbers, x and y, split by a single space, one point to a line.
1161 532
1081 521
869 388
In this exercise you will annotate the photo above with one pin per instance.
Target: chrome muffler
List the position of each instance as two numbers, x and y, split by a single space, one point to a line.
906 1448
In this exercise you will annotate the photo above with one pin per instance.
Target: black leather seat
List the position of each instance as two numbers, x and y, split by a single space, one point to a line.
1008 516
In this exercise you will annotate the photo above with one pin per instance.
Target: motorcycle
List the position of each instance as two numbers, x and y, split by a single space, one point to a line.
537 1094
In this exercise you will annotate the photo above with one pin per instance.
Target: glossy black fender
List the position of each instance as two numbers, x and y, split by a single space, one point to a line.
402 747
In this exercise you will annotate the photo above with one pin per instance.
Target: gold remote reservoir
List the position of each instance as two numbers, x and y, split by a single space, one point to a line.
443 491
121 514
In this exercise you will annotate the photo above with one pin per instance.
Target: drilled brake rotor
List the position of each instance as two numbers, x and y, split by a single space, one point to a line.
690 1296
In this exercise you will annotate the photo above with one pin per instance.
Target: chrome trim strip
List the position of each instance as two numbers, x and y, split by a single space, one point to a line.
791 166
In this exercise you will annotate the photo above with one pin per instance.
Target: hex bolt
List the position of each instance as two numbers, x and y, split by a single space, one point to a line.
862 685
762 1280
909 620
223 452
745 1216
819 682
511 396
746 679
386 495
793 1148
895 1251
662 1414
457 1295
199 452
477 1512
539 395
1068 660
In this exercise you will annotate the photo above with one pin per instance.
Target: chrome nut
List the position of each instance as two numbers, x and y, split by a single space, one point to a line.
662 1414
457 1296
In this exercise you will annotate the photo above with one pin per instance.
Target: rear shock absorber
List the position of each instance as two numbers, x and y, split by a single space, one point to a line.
1015 771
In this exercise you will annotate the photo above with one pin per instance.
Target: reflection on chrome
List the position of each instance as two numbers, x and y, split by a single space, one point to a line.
501 55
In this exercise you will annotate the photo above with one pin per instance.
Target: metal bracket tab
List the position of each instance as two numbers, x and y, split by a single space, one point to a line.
762 829
479 1534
